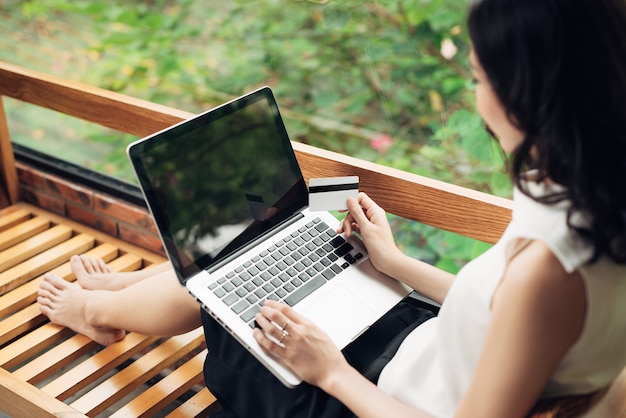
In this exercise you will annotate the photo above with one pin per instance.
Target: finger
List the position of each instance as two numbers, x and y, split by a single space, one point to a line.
356 211
289 313
267 344
345 226
367 202
268 326
276 314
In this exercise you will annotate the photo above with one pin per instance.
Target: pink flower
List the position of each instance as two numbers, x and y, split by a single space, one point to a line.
381 143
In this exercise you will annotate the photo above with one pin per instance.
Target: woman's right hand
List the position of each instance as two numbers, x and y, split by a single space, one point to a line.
370 221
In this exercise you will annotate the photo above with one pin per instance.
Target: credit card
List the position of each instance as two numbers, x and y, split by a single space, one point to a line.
330 193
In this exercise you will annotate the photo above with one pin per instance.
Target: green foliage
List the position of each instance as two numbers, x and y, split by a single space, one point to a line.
370 79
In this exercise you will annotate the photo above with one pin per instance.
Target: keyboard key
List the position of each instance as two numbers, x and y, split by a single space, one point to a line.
322 226
305 290
344 249
337 241
230 299
249 315
240 306
328 274
273 271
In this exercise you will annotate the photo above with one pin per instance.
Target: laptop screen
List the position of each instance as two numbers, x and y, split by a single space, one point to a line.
216 182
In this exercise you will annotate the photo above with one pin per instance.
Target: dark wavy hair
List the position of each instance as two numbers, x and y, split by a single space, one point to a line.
559 69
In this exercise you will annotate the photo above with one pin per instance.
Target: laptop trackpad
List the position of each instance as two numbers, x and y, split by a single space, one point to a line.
341 314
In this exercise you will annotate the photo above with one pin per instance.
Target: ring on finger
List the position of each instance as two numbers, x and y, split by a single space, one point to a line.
284 328
282 337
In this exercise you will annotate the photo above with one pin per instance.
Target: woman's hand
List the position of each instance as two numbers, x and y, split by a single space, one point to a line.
298 343
370 221
310 353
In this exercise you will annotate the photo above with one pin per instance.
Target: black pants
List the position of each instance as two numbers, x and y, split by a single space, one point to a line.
244 387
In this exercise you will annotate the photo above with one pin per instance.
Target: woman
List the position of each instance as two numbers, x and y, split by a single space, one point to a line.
540 314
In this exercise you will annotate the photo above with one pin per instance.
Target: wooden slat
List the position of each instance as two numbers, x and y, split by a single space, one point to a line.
12 216
55 359
23 231
96 366
166 391
21 399
130 378
46 260
32 343
27 319
33 246
199 405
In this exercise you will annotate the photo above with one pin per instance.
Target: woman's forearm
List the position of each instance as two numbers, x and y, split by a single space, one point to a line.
429 280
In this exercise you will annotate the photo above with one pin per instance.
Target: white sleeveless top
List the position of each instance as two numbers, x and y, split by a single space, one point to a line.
436 362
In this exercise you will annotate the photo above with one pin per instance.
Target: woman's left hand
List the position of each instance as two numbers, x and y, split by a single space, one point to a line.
297 342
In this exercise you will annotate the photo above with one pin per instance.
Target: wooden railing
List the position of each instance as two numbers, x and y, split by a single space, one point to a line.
470 213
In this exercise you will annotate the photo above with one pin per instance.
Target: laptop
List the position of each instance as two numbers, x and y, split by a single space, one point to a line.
230 205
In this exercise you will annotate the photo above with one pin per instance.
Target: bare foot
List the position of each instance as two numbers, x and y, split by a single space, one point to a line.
66 304
94 273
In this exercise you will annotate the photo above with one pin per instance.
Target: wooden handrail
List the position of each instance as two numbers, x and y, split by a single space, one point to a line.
103 107
453 208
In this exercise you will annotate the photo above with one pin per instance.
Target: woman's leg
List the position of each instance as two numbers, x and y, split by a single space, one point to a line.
155 306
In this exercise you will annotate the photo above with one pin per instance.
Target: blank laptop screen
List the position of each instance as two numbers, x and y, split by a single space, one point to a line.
216 182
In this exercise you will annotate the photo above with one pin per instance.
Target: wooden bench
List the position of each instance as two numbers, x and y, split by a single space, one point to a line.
47 370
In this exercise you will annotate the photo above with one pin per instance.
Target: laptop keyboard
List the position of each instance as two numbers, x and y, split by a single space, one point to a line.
287 271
